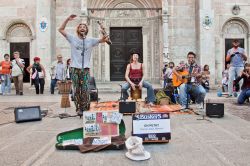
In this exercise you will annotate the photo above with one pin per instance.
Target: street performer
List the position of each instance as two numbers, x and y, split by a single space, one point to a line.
192 86
81 48
135 77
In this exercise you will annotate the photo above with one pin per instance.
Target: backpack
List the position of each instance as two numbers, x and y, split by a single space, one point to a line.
162 98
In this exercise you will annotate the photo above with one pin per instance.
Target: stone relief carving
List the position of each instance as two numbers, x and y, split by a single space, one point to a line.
19 30
125 13
235 27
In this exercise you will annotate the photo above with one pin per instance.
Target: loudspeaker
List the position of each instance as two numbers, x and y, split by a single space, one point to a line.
215 109
127 107
24 114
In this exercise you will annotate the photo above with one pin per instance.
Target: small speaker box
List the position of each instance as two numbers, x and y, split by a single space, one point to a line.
24 114
127 107
215 109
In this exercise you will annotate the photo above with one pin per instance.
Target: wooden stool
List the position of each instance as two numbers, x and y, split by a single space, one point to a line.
64 89
135 94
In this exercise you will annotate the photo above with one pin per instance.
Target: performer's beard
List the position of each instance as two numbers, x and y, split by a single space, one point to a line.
82 34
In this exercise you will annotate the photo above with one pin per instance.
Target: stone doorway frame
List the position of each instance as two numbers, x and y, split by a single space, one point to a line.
233 28
19 31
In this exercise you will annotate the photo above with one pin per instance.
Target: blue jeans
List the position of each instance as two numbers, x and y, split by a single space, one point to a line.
244 95
197 91
6 83
145 84
234 72
52 85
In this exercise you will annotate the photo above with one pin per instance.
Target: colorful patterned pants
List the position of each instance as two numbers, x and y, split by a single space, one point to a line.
80 81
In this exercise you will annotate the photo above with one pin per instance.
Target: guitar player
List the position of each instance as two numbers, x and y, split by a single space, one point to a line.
191 83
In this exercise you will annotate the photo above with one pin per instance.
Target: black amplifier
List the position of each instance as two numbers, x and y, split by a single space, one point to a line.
23 114
215 109
127 107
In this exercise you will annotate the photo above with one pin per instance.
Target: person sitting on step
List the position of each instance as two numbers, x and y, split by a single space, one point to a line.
135 77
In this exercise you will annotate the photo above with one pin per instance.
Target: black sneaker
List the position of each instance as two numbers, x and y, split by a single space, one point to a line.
21 93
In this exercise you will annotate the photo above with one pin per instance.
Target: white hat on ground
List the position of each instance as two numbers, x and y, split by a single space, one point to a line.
135 149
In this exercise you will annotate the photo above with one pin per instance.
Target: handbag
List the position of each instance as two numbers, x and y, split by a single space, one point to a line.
34 75
40 75
21 69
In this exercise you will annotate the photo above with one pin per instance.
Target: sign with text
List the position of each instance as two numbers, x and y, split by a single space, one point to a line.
101 123
152 126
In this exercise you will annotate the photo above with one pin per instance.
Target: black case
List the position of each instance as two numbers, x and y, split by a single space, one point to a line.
127 107
215 109
24 114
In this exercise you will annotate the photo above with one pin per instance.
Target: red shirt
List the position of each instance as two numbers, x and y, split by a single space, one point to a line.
5 67
135 75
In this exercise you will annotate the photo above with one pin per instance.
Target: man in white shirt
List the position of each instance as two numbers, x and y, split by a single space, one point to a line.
18 65
81 49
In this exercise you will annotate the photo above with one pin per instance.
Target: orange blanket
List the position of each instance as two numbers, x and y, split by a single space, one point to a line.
114 105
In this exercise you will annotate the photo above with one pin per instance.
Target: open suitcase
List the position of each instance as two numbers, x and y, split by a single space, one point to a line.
76 135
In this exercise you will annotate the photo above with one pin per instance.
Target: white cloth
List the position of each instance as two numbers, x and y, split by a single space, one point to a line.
16 70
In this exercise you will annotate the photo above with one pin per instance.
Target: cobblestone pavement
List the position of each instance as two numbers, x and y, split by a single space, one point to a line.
223 141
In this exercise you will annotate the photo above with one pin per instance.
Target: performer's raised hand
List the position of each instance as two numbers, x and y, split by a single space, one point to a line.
71 17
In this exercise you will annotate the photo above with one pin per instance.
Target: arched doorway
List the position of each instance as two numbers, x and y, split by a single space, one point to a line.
134 26
235 28
18 36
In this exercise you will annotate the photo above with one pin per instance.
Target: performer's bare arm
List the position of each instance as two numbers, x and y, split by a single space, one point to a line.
62 27
127 77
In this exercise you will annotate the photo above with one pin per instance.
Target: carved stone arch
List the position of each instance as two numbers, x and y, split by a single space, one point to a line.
235 26
125 13
18 28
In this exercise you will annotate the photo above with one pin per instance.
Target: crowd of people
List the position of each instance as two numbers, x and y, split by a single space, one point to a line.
237 72
14 71
77 69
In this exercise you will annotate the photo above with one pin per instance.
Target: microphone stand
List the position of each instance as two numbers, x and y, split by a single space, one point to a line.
82 54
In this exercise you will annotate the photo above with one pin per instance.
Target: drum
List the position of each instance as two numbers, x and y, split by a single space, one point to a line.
136 94
65 103
64 87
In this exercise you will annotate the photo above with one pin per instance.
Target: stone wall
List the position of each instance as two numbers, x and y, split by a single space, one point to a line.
182 29
11 12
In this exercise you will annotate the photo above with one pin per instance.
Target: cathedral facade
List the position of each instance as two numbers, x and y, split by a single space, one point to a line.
160 30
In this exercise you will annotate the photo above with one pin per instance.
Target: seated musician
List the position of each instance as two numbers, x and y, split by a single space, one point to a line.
192 86
135 77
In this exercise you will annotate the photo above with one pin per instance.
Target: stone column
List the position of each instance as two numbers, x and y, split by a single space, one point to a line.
84 11
165 31
45 37
206 38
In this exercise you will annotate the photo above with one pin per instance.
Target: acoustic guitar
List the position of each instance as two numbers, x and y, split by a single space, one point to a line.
185 78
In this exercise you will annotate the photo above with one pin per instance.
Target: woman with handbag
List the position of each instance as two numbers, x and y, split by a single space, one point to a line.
37 75
18 65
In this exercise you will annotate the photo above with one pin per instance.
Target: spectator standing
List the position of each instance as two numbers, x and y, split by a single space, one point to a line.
5 75
18 65
37 75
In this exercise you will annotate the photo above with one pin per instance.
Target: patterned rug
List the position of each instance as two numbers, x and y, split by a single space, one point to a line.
114 105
